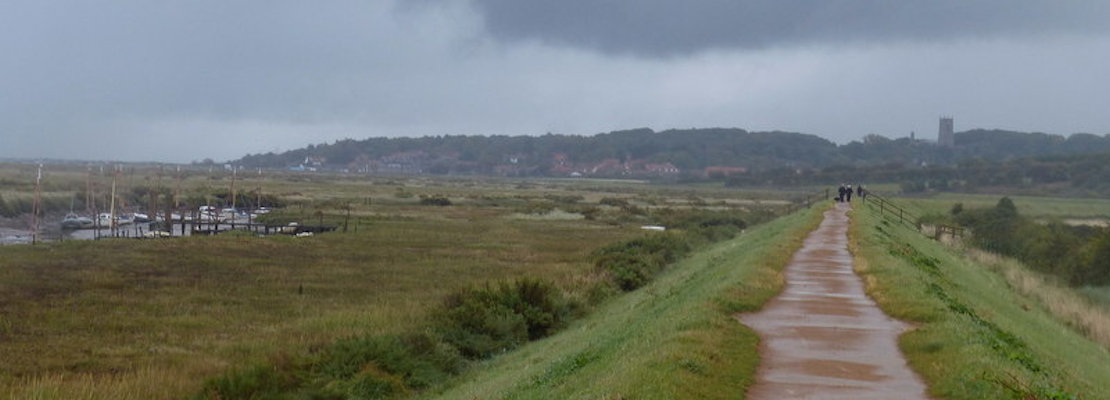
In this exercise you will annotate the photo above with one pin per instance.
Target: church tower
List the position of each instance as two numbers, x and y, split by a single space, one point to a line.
946 137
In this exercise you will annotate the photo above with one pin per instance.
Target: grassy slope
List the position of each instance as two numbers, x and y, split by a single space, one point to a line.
675 338
976 337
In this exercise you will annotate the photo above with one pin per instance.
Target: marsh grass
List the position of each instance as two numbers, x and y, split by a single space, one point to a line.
155 318
125 319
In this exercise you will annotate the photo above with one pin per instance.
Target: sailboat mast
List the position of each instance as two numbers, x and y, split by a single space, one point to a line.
112 209
89 207
177 192
258 201
36 208
232 187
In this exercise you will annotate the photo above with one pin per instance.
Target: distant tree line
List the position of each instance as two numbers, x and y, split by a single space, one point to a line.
1075 175
686 149
690 150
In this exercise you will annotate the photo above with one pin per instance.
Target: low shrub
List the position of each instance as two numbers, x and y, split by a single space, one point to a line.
536 207
613 202
435 200
367 367
417 361
634 263
487 320
630 271
256 382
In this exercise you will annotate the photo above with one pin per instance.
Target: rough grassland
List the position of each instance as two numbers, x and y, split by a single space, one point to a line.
976 336
125 319
673 339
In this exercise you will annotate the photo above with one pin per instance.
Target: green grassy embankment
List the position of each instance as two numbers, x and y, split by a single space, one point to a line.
674 338
976 336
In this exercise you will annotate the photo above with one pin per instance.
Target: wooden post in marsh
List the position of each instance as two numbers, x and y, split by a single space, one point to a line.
258 200
177 192
347 219
89 199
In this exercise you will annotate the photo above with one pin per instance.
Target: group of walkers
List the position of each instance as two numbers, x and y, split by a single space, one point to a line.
844 193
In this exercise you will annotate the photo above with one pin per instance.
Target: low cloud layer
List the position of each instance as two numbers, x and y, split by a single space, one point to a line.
181 80
667 27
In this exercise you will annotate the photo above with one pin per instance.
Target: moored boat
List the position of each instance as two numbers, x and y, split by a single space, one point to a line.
74 221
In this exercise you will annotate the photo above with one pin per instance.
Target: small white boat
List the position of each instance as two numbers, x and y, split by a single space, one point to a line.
231 214
207 217
174 217
74 221
140 218
105 220
124 220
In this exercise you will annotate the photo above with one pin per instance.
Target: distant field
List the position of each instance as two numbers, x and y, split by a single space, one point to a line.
1036 207
126 319
1099 295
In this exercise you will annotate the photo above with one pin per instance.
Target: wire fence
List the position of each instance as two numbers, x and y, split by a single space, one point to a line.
807 200
893 211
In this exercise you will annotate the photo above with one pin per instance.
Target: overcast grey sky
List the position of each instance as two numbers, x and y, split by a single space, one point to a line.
182 80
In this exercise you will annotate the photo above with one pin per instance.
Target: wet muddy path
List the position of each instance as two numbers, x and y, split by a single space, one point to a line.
822 337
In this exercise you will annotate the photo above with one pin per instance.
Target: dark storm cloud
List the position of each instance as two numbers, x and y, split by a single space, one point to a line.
669 27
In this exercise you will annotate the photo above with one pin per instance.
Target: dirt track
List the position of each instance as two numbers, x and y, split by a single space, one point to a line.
822 337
